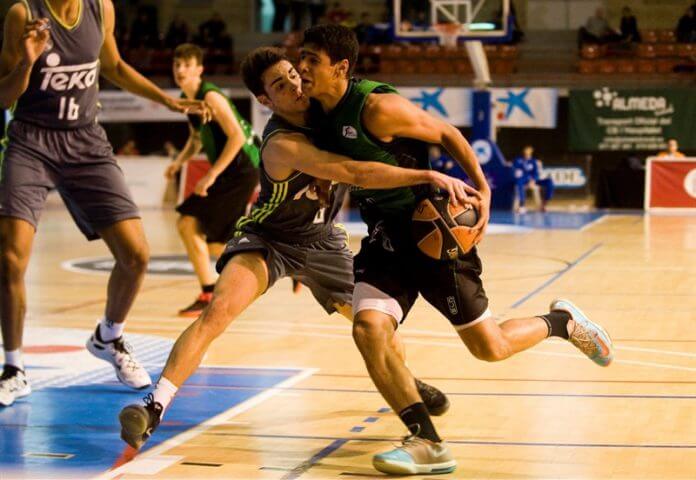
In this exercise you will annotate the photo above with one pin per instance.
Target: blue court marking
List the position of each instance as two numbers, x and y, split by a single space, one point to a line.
302 468
82 420
299 470
556 276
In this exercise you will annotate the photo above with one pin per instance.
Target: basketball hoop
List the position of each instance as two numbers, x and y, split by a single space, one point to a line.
448 33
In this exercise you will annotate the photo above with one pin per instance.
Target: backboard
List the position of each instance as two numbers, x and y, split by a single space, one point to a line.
476 19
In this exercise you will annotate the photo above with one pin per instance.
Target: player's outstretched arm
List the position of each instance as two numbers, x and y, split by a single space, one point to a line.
296 152
192 147
24 40
389 115
118 72
223 115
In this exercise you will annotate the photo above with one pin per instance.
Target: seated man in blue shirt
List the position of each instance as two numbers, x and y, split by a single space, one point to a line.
527 175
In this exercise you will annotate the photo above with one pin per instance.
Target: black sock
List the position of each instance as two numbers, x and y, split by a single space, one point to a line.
417 419
208 288
557 322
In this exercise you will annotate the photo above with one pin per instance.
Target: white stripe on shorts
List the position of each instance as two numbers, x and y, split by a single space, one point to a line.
368 297
484 315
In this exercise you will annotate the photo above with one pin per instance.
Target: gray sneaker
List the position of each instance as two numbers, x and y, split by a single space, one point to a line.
416 455
587 336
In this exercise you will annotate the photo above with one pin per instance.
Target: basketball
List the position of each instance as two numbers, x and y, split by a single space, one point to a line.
441 230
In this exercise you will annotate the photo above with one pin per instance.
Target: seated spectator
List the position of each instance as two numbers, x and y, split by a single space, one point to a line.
686 28
317 9
598 30
143 31
129 148
629 26
177 33
298 9
211 31
527 171
672 150
362 28
281 8
337 14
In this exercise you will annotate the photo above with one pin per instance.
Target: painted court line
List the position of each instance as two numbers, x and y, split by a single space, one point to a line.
303 467
556 276
220 419
511 443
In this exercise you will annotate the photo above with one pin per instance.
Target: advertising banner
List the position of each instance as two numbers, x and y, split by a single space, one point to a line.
511 107
628 120
670 183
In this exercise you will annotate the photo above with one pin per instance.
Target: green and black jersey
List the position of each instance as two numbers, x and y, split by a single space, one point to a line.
342 132
289 210
214 138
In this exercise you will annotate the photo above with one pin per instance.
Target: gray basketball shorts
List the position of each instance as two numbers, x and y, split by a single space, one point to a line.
79 163
325 266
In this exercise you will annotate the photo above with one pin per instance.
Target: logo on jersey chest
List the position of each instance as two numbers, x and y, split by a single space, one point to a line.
62 78
349 132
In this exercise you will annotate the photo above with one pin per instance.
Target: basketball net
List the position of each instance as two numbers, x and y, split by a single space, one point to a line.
448 33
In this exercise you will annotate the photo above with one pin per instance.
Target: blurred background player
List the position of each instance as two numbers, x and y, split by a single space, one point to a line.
528 173
51 59
221 196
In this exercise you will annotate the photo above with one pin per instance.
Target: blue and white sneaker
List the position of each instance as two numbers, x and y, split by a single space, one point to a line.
587 336
415 456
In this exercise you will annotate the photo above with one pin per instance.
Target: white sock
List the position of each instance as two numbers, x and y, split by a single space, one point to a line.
14 358
109 330
164 392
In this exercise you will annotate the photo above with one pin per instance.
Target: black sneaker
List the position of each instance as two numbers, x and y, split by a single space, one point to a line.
138 422
435 401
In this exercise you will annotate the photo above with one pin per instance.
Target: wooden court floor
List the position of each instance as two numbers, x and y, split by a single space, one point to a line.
547 413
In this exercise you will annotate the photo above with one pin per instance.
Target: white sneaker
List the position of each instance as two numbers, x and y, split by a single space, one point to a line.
416 456
119 354
13 385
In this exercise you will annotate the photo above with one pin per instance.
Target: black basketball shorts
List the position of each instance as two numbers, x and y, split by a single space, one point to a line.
386 276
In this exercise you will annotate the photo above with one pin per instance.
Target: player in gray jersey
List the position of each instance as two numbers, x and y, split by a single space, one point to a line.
290 232
52 55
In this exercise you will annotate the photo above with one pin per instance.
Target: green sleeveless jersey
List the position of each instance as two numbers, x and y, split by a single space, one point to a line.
214 138
343 132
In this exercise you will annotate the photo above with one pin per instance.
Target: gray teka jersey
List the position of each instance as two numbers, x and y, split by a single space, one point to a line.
63 87
290 211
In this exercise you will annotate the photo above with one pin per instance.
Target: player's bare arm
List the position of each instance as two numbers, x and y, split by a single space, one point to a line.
24 41
118 72
223 115
287 153
193 146
388 115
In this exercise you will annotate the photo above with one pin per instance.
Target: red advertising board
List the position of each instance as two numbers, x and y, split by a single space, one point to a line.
670 183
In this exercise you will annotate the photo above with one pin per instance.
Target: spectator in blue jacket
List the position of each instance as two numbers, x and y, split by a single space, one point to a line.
528 174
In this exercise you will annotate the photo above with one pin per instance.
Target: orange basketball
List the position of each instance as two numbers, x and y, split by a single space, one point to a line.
441 230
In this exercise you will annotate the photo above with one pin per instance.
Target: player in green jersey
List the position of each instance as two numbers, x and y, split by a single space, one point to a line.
220 197
289 233
369 120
